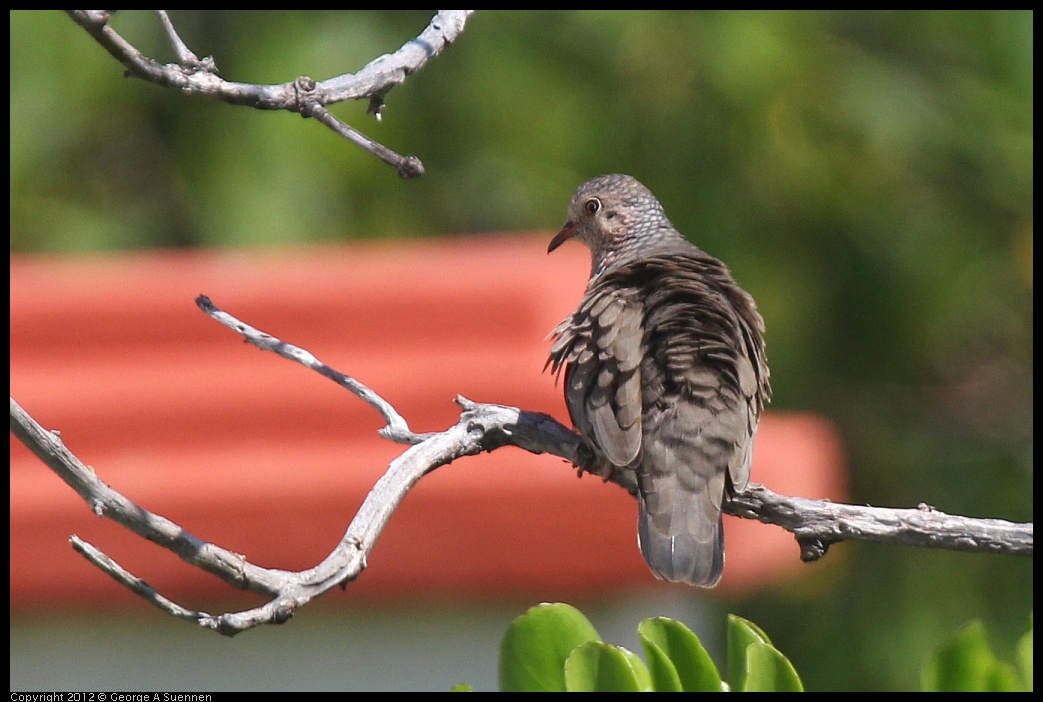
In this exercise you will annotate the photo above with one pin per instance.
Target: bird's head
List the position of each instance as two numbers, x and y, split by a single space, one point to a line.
618 218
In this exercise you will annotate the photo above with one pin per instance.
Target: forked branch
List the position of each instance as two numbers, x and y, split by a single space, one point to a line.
303 95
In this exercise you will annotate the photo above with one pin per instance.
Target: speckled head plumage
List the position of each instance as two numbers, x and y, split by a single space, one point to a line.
620 220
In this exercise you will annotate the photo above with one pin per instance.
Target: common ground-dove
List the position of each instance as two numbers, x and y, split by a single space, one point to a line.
665 372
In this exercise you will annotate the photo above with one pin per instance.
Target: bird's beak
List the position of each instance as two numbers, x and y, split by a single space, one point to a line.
561 237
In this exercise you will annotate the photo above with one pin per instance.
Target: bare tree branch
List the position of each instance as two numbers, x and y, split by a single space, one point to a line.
816 524
303 95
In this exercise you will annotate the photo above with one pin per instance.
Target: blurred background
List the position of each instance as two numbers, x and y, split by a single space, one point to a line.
866 175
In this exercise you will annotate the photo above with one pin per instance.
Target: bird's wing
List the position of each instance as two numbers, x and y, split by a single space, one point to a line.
601 347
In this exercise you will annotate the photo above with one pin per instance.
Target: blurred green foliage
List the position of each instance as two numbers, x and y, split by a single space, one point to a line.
966 663
867 175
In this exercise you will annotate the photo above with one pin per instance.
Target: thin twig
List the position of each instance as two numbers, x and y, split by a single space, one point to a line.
397 428
184 54
407 166
132 583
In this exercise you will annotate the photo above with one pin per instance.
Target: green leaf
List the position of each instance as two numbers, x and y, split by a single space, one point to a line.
598 667
767 670
661 668
536 645
741 634
677 660
965 663
641 674
461 687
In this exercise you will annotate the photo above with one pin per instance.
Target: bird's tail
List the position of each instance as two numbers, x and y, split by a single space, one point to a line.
688 555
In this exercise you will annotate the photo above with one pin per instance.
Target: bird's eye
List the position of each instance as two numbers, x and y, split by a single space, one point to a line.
592 206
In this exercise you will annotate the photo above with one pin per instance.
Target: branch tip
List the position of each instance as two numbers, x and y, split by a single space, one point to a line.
411 167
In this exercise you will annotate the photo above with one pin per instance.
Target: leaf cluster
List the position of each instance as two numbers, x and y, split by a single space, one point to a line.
555 648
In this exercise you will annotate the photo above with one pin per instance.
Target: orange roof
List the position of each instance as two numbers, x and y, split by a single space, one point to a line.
266 458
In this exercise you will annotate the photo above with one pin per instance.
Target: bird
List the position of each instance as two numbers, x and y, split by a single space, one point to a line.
665 372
